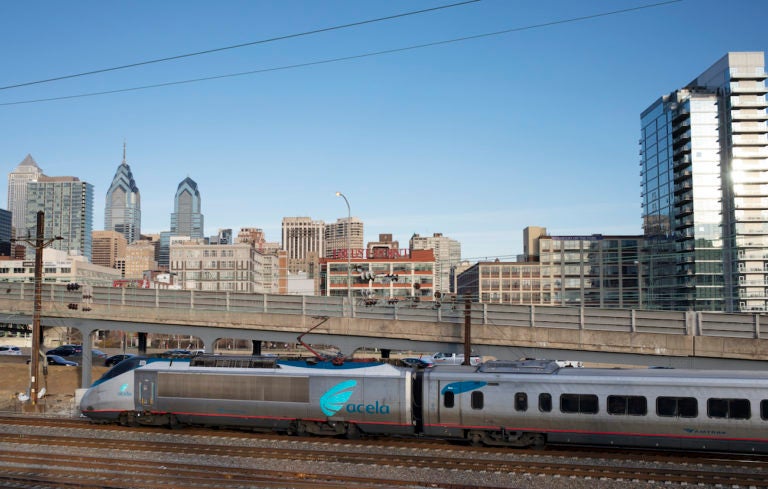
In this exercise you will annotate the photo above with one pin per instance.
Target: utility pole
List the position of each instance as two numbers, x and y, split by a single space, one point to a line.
39 244
467 330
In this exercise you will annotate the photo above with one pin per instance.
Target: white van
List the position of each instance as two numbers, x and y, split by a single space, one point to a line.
442 358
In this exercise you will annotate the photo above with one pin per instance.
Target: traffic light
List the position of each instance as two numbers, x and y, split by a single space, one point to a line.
73 286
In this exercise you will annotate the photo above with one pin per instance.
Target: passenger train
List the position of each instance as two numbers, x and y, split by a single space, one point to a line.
499 403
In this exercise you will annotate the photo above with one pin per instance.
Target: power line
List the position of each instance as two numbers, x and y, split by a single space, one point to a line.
242 45
344 58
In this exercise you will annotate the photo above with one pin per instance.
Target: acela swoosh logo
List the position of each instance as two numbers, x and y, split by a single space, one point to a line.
333 400
461 387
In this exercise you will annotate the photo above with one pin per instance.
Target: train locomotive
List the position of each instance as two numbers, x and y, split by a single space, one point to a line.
498 403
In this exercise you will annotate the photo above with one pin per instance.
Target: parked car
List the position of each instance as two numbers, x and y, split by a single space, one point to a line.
10 350
115 359
66 350
98 354
441 358
176 351
418 362
57 360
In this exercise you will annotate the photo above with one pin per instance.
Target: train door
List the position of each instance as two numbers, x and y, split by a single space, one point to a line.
147 391
449 406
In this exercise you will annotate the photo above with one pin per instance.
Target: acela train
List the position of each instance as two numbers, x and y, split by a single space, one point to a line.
505 403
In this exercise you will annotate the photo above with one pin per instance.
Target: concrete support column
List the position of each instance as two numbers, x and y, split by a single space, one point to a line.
142 343
86 362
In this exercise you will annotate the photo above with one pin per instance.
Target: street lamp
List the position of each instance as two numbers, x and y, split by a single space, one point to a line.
349 251
39 244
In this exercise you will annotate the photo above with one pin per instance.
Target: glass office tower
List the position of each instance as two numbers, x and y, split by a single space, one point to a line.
68 206
122 210
187 219
704 171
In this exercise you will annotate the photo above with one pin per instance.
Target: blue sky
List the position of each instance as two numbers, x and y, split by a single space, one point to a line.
473 139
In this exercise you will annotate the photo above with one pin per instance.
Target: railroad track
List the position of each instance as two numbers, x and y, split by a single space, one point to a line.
67 453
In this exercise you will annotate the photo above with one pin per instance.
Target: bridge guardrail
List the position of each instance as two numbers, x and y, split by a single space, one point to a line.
535 316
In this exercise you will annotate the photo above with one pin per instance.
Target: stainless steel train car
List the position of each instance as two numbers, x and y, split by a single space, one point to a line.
527 403
255 393
533 403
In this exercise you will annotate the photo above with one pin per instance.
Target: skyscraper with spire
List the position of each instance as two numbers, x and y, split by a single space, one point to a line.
122 210
187 218
26 172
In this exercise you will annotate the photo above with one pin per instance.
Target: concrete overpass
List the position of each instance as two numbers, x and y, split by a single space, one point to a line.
618 336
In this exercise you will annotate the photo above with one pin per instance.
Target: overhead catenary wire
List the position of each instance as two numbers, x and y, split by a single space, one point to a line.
343 58
237 46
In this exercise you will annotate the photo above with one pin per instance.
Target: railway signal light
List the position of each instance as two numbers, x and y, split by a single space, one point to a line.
73 286
368 276
391 277
72 306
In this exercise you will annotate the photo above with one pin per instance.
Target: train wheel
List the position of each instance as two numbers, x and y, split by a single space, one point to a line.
476 438
128 419
538 441
353 432
173 422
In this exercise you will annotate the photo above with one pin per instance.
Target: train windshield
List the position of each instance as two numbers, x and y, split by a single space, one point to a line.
120 368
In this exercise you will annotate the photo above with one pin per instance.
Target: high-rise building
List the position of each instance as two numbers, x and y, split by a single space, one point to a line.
68 206
589 271
139 257
187 217
224 237
122 210
531 235
447 257
256 238
163 250
303 239
398 277
704 170
108 247
5 232
212 267
26 172
336 238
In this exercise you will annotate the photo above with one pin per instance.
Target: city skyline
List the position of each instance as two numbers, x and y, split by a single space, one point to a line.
475 140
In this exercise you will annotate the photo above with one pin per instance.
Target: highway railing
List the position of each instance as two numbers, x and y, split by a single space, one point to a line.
739 325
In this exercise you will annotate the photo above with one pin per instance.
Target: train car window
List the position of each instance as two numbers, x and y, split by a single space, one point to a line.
684 407
477 400
579 403
545 402
628 405
764 409
729 408
449 399
521 401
